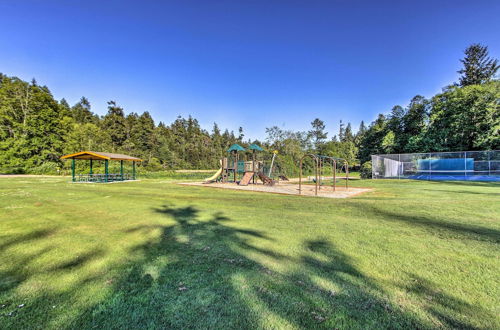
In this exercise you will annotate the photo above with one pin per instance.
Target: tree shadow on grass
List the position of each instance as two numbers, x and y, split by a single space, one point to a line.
35 235
449 311
330 292
197 274
436 226
471 184
466 192
22 289
183 279
201 272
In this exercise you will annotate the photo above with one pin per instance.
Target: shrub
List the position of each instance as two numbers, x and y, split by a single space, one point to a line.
366 170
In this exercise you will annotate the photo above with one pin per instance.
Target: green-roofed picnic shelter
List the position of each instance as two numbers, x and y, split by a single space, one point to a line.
101 156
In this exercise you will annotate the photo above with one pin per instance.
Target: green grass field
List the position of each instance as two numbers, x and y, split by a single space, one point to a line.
153 254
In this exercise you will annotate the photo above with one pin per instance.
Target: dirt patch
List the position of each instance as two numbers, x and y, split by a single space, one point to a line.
288 189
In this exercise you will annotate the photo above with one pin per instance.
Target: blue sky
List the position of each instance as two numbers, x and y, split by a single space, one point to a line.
245 63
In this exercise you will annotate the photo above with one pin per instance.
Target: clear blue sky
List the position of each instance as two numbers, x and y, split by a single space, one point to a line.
245 63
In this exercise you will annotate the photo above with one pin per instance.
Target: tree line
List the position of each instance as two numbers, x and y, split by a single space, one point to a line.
36 129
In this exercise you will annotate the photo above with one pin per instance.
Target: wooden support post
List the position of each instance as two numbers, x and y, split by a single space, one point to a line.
121 169
133 170
73 169
91 170
106 164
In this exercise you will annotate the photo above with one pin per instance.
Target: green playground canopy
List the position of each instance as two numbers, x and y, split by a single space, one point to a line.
235 147
255 147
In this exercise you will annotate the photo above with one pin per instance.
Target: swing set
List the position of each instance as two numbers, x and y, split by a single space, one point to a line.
319 162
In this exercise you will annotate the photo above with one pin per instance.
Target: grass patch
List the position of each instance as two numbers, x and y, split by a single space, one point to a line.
152 254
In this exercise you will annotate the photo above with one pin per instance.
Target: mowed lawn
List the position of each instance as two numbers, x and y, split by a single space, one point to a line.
154 254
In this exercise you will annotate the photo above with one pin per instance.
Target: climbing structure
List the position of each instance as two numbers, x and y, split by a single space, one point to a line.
242 166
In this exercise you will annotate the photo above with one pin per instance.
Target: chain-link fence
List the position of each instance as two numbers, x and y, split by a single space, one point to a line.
460 165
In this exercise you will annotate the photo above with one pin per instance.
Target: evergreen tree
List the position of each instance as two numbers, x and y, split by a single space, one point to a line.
317 133
414 124
465 118
341 131
348 135
240 134
114 123
478 67
81 112
371 143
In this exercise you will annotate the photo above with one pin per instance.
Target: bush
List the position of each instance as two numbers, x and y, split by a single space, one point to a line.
50 168
12 170
365 171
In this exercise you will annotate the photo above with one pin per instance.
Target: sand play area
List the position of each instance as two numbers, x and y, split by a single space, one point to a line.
288 189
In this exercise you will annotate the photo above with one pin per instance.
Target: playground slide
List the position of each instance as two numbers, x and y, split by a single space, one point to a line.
265 179
213 177
246 179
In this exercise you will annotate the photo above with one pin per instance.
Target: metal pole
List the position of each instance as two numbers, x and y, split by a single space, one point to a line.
465 163
346 175
121 169
133 170
272 164
489 162
73 169
399 167
317 165
106 170
334 169
91 169
300 176
430 167
320 170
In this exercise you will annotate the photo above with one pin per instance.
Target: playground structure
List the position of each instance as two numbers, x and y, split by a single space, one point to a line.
233 166
244 172
106 177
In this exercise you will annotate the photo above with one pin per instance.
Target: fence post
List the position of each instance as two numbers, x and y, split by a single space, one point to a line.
430 166
465 163
399 167
489 162
373 171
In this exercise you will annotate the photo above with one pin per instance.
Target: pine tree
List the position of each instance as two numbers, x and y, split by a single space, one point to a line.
317 133
348 135
81 112
478 67
114 123
341 131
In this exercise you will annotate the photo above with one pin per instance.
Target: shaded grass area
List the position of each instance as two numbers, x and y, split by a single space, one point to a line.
152 254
